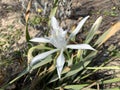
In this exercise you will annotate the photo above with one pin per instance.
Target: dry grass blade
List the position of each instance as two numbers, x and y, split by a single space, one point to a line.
89 86
110 32
28 11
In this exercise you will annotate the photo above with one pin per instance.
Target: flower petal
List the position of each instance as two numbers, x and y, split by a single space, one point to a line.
60 63
41 56
42 40
81 23
79 46
64 33
54 23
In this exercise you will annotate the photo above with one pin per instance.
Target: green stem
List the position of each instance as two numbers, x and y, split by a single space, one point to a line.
68 55
53 11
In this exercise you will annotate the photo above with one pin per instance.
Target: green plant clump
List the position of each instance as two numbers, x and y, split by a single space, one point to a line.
60 62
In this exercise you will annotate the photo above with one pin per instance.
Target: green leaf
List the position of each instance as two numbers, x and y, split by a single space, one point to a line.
76 67
114 80
81 65
87 75
39 47
75 87
110 67
47 60
116 88
53 10
19 76
54 78
27 33
43 62
101 38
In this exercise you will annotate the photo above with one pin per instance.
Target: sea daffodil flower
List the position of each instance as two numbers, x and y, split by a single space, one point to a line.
60 42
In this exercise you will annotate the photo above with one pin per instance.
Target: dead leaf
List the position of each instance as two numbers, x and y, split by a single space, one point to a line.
28 11
111 32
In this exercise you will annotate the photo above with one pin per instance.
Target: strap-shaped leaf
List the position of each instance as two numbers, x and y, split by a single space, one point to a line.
79 66
75 87
39 47
43 62
53 11
108 67
110 32
75 68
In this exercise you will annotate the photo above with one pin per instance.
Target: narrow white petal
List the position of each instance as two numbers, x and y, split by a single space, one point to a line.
79 46
81 23
41 56
54 23
64 33
60 63
42 40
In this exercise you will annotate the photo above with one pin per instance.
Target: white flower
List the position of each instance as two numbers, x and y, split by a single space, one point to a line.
60 42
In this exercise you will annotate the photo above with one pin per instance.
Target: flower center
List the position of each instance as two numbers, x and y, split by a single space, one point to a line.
59 42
